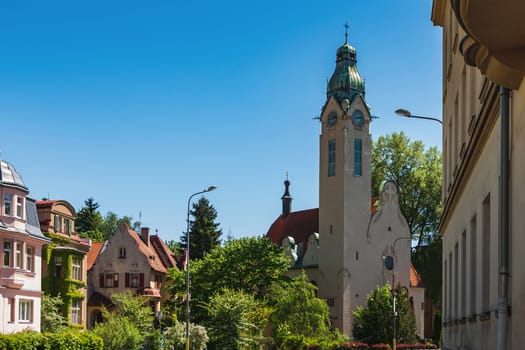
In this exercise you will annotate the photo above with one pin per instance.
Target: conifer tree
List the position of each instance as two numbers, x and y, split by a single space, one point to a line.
204 231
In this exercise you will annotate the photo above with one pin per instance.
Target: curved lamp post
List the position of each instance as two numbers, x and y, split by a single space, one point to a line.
405 113
209 189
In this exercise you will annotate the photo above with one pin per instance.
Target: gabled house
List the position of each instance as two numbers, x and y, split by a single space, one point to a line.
21 241
130 261
64 263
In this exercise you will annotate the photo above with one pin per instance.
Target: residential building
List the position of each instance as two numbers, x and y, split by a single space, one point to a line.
64 263
343 245
482 225
132 261
21 255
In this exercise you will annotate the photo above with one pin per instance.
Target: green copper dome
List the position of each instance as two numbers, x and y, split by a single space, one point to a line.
346 81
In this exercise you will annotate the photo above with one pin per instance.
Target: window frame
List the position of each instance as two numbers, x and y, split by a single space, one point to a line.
75 316
331 157
30 258
358 157
76 268
25 311
19 255
19 207
7 253
8 204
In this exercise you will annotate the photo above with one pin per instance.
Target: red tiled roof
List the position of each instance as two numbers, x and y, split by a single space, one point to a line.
46 203
415 280
166 255
299 225
152 257
93 253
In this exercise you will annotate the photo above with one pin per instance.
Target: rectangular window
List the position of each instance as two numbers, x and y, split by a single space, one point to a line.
58 267
76 269
30 252
25 311
76 312
18 254
331 157
134 280
485 255
8 200
109 280
122 253
56 225
7 253
473 263
19 207
69 225
358 157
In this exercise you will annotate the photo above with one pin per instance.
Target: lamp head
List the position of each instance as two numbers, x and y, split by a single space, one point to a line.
211 188
403 112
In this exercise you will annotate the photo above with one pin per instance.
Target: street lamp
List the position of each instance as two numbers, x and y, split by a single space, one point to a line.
209 189
391 264
405 113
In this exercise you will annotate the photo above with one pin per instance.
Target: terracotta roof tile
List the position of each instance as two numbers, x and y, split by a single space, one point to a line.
149 252
93 253
299 225
415 280
46 203
164 252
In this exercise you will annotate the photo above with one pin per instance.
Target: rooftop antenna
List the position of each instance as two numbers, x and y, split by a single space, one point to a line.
346 32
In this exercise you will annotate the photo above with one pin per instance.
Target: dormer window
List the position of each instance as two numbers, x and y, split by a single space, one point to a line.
8 201
122 253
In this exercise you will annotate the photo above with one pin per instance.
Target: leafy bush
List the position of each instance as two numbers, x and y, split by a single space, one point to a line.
175 337
29 340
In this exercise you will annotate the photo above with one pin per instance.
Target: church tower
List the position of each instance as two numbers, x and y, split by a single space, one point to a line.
344 189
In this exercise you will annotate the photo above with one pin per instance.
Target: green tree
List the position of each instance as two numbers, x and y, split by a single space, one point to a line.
111 221
417 172
204 231
235 320
89 220
118 332
51 318
428 262
373 322
175 336
297 311
248 264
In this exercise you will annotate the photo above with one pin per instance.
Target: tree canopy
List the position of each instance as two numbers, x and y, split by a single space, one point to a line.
417 172
204 231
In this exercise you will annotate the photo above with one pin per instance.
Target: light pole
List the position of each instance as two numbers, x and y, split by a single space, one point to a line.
405 113
209 189
394 345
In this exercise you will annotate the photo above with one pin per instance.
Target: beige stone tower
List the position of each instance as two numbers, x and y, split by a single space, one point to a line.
344 188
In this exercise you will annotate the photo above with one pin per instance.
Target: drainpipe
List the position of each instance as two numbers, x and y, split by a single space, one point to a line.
503 270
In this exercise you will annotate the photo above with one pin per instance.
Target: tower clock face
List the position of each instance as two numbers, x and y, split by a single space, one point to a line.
332 119
358 118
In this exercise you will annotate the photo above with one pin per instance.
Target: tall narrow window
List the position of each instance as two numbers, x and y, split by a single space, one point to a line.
473 264
30 261
358 157
7 253
8 201
76 311
18 254
463 275
56 226
19 207
446 296
76 268
69 224
331 157
456 282
58 267
485 256
25 311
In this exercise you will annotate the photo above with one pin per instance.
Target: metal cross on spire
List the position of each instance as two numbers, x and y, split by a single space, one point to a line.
346 32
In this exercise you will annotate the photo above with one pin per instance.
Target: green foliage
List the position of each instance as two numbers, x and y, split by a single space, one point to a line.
235 320
204 231
418 174
176 247
52 319
427 261
175 337
118 332
373 323
135 309
297 311
89 218
249 264
111 222
29 340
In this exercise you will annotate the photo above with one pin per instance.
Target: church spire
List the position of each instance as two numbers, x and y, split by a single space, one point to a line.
286 198
345 81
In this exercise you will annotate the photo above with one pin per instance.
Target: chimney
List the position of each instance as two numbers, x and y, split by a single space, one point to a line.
144 235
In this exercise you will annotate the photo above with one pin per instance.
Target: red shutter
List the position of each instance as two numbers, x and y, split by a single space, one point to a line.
126 282
101 280
115 281
141 280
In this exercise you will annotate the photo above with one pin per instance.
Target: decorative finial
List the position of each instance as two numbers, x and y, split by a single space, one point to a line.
286 176
346 32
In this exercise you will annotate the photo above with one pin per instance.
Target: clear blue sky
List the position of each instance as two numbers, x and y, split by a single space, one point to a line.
139 104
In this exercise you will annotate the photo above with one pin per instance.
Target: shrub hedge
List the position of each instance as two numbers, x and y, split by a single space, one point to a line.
50 341
302 343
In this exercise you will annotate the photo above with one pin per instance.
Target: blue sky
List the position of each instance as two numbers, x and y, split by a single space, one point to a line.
140 104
